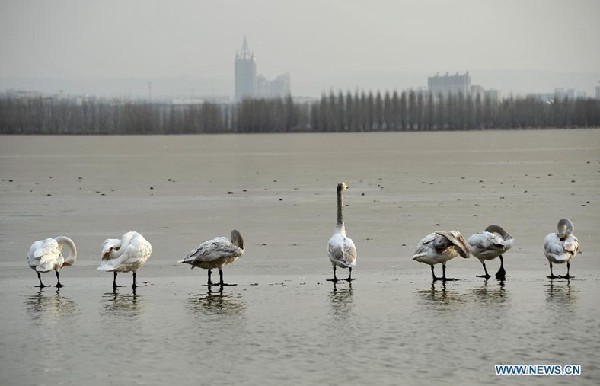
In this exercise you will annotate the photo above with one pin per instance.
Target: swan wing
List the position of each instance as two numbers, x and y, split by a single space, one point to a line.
488 245
44 255
438 247
554 248
571 244
342 251
138 250
455 239
425 247
133 251
211 250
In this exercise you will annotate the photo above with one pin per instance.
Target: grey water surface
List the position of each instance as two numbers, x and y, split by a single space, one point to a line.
284 323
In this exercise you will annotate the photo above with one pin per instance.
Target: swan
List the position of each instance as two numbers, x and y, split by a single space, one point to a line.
489 244
46 255
125 255
340 248
439 247
561 247
216 253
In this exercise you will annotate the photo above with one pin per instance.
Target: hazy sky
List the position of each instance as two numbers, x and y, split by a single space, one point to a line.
323 44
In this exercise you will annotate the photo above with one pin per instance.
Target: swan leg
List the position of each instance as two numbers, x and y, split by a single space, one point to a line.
433 277
349 279
444 278
209 279
551 273
501 274
487 275
134 284
40 279
221 283
568 275
58 285
335 279
114 280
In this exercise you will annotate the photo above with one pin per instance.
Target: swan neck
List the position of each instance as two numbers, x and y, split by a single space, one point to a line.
63 242
237 239
125 241
340 205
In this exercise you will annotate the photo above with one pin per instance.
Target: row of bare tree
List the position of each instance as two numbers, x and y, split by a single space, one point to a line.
421 111
405 111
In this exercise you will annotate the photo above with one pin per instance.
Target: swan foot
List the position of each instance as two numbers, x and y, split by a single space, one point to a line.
58 285
445 279
41 286
350 279
567 276
220 285
501 274
335 280
553 277
487 275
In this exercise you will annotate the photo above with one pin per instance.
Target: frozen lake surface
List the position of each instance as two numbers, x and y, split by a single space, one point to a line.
284 323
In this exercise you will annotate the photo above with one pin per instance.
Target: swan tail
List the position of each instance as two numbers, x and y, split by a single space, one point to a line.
44 267
105 268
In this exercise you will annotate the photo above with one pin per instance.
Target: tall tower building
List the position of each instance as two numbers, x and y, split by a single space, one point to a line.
245 73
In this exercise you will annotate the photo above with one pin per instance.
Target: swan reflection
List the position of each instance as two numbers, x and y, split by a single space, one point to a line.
441 296
49 302
123 304
491 294
561 292
341 299
217 303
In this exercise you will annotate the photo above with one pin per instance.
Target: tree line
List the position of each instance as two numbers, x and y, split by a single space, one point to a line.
341 112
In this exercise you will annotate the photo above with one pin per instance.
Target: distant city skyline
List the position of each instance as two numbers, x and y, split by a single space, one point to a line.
185 48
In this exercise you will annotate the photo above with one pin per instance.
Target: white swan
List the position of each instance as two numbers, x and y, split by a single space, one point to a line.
216 253
340 248
439 247
561 247
125 255
46 255
489 244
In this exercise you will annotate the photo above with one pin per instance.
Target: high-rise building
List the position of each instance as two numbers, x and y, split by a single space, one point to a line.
449 84
249 85
598 90
245 73
276 88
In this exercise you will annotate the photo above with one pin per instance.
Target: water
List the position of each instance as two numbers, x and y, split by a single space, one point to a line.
284 323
